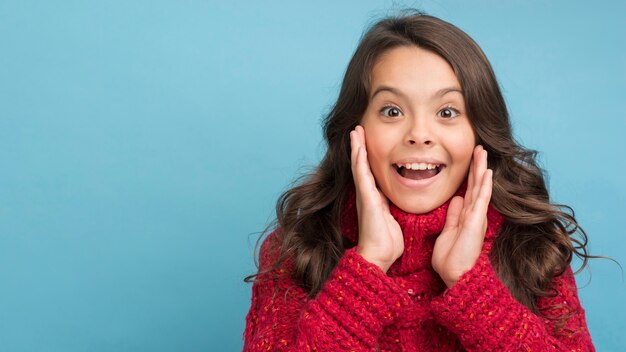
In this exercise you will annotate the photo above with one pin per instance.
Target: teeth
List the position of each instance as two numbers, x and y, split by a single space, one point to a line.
418 166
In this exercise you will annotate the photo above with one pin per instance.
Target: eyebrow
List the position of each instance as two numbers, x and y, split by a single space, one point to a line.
441 92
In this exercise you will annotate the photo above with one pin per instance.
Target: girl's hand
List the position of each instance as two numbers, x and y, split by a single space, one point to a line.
458 246
380 237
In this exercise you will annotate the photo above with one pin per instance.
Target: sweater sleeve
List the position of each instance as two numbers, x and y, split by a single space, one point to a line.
349 313
481 311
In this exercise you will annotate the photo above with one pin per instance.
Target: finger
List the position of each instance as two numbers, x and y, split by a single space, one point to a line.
354 150
361 135
474 225
370 193
363 169
354 163
484 197
478 211
479 172
356 141
363 143
470 180
367 184
454 212
450 231
470 185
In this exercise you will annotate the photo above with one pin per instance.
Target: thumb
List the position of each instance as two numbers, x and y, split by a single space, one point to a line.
383 200
454 213
448 235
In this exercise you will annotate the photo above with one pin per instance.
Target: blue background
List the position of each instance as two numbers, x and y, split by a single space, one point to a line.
143 145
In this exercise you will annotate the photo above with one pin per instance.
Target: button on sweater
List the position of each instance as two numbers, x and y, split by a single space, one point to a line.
409 308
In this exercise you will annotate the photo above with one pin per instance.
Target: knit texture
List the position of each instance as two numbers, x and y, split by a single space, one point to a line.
360 308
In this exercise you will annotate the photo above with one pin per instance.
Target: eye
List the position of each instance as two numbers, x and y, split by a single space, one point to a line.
390 111
448 113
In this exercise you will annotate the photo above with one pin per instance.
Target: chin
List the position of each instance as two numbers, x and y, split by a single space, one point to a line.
417 205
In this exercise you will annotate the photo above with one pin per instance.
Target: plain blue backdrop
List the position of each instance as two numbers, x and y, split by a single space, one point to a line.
143 144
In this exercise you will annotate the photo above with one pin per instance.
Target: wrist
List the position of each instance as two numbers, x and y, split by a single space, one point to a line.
450 283
383 265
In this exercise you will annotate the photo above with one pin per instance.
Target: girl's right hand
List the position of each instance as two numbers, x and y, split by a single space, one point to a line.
380 237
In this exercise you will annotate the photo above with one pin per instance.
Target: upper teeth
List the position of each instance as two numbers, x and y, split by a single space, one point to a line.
418 166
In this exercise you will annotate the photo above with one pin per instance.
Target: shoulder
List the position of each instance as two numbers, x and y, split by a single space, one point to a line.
563 288
270 251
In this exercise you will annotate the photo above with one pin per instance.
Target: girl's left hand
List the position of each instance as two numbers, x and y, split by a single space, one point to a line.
458 246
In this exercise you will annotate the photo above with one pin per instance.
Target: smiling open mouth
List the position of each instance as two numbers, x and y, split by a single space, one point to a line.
419 171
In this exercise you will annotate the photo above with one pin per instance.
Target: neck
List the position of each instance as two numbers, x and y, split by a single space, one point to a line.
420 231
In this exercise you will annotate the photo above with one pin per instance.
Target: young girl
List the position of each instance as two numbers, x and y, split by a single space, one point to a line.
425 227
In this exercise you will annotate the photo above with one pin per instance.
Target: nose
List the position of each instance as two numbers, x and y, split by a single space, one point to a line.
419 131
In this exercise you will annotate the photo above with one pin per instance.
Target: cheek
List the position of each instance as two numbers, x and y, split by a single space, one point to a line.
462 158
378 151
375 152
462 151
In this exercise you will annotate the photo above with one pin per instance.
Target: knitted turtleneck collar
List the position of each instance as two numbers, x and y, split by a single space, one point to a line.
420 231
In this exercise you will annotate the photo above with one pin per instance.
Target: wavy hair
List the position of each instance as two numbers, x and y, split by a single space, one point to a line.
538 239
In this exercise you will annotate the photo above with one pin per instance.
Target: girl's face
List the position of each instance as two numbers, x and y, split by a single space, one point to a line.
416 116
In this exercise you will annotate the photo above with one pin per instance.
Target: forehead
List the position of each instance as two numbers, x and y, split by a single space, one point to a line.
413 70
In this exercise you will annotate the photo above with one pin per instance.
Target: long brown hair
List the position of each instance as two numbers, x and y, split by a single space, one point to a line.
538 238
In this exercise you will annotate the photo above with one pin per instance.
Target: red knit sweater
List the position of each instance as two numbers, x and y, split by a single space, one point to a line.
360 308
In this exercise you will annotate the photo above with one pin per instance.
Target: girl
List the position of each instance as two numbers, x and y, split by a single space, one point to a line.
425 227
